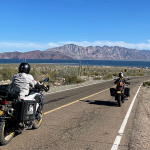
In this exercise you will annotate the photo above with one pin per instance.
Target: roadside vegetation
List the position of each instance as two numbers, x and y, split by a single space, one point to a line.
70 74
147 83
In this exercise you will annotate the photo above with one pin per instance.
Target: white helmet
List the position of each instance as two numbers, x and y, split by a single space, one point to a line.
121 75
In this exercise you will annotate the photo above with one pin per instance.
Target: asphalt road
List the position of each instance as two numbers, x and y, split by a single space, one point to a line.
89 121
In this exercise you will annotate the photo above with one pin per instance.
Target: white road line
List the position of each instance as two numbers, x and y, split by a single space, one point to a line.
120 133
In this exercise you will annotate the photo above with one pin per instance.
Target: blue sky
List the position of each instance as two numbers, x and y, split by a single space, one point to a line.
27 25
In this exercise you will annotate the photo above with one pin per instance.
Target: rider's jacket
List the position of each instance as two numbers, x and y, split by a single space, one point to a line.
123 81
21 83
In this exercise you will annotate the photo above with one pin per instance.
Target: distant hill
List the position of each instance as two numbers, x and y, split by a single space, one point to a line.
35 55
105 52
71 51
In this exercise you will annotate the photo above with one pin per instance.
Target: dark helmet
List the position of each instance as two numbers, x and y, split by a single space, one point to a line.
121 75
24 68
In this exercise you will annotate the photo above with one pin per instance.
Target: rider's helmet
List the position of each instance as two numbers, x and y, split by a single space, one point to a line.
121 75
24 68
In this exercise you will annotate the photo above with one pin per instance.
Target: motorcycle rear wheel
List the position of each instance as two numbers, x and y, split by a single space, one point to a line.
5 136
119 100
38 122
122 99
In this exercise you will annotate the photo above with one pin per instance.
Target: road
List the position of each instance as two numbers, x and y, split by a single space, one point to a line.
85 118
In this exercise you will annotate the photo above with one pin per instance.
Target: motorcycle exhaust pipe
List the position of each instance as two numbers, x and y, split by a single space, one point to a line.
10 112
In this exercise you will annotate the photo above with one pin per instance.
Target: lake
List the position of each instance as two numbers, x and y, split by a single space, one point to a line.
83 62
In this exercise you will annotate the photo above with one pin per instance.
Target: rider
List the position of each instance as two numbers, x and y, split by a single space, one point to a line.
22 81
123 79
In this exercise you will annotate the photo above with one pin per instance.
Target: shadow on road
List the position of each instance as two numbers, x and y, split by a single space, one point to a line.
106 103
17 133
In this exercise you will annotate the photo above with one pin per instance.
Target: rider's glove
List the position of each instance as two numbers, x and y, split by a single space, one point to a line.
46 88
39 85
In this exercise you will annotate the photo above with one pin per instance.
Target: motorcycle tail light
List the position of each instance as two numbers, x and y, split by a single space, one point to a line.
119 88
3 113
3 102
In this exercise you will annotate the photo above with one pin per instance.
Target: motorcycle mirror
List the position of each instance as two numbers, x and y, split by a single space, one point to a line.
114 79
46 80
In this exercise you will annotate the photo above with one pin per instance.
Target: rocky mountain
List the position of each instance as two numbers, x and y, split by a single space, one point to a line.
105 52
35 55
71 51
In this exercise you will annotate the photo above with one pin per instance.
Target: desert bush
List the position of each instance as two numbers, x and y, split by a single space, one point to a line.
70 79
73 80
97 78
146 83
1 77
96 73
79 81
109 76
7 73
69 72
115 74
52 75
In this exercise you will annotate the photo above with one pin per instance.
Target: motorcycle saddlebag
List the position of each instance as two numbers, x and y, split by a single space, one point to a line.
127 92
112 91
25 111
4 89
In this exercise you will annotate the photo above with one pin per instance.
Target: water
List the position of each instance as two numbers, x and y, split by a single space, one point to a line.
83 62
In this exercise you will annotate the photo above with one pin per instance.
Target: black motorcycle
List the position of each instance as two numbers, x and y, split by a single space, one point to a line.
121 93
18 114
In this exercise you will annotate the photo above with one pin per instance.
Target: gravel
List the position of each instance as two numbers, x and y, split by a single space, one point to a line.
140 137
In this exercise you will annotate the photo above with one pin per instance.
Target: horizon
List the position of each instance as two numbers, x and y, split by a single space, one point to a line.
40 25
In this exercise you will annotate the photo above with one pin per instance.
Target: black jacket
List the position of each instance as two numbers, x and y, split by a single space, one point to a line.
123 81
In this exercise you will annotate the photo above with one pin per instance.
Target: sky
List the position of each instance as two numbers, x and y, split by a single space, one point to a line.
27 25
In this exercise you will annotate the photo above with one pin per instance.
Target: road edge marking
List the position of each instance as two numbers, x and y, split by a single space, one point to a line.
121 130
74 101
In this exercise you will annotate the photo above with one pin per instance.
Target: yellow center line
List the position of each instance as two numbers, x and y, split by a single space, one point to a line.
74 101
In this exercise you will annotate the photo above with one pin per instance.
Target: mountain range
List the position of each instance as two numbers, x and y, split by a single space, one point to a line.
35 55
72 51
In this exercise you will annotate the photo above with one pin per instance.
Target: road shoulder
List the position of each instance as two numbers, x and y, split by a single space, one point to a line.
140 136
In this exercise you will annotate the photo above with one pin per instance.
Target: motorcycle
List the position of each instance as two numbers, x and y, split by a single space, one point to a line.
18 114
121 93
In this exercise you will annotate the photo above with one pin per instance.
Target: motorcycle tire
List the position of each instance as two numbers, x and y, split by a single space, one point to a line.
122 99
38 122
5 137
119 101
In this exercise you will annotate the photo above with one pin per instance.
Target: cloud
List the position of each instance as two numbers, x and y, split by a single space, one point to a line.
44 46
22 45
54 44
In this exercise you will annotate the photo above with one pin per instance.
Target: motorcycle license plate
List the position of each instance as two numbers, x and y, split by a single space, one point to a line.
1 112
118 91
